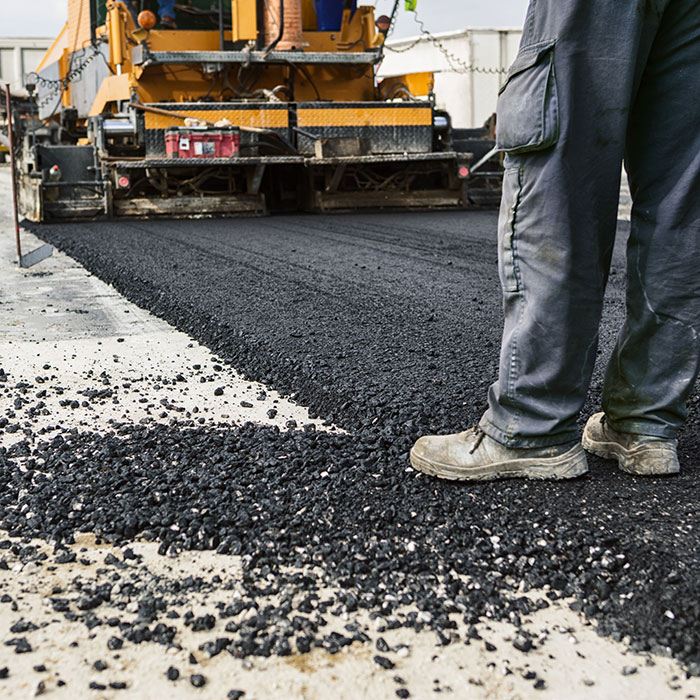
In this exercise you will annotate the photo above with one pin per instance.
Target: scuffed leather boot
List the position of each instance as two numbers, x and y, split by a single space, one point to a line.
645 455
473 455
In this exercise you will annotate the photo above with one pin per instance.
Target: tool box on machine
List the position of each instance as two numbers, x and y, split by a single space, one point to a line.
202 142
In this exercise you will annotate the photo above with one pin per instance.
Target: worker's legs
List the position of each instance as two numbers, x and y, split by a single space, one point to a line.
563 118
657 356
166 8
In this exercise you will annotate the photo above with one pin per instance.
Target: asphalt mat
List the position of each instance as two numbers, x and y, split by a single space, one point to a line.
387 325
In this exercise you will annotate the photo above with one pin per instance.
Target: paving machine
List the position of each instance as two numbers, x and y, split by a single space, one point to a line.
236 106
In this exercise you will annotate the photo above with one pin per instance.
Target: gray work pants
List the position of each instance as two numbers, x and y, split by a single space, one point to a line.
596 81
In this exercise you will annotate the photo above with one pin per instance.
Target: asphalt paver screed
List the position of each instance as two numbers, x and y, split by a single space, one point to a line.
387 326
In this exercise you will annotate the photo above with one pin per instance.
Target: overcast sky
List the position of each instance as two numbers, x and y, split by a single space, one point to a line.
46 17
448 15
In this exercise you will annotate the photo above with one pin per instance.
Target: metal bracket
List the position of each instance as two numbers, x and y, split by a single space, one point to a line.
254 178
36 256
485 159
139 57
334 181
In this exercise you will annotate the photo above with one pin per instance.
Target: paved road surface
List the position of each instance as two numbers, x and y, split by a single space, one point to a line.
389 326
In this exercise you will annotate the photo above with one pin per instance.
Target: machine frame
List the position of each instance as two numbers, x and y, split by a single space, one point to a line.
318 132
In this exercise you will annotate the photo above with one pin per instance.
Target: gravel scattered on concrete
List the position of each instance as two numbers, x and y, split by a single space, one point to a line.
155 608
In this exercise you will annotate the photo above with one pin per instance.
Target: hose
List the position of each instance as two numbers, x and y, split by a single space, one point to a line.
270 47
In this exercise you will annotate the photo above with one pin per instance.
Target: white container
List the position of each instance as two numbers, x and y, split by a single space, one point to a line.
468 78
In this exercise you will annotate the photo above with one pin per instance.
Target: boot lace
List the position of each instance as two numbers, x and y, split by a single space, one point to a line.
480 435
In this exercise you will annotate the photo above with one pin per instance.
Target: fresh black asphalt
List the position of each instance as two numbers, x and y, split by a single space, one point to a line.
387 325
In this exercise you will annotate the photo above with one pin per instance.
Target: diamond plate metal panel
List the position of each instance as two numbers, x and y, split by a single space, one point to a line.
375 127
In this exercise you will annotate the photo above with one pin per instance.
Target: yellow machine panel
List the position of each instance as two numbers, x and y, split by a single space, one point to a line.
78 24
260 118
244 26
416 84
342 115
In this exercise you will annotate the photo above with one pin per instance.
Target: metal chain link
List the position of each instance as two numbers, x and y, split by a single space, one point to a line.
454 61
61 84
407 48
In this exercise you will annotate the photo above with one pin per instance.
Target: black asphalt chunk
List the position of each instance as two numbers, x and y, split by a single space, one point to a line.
384 662
198 680
21 645
114 643
66 557
128 553
522 642
23 625
89 602
382 645
388 326
111 560
205 622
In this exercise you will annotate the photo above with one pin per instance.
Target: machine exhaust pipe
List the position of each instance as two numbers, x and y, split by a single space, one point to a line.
283 26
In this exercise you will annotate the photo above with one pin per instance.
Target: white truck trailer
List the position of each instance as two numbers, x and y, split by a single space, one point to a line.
469 67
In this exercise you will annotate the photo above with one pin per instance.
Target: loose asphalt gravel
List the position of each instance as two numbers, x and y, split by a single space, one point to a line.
387 326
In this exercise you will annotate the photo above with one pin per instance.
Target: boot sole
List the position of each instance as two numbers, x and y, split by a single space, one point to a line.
623 456
567 466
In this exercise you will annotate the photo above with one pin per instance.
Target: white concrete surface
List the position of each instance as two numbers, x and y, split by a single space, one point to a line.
66 332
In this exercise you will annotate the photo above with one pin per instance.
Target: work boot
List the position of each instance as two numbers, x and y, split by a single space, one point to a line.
645 455
475 456
168 22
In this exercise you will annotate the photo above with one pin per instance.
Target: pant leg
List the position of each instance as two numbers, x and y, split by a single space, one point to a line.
657 356
166 8
559 208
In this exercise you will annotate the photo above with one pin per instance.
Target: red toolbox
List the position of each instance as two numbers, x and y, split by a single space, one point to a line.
202 142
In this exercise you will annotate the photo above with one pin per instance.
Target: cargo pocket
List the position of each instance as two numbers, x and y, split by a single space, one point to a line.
528 108
507 242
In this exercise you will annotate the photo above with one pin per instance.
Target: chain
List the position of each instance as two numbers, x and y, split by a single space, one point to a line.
61 84
407 48
454 61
